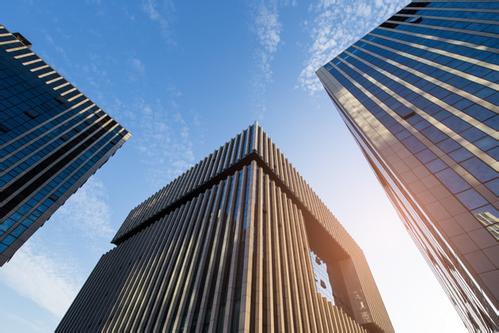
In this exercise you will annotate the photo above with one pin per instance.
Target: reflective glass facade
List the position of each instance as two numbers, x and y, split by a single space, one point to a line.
52 138
420 95
226 247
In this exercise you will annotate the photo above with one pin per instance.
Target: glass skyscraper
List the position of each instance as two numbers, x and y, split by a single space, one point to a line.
238 243
52 139
420 95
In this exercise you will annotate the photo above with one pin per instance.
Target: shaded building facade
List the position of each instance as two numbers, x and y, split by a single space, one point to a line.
239 242
420 96
52 139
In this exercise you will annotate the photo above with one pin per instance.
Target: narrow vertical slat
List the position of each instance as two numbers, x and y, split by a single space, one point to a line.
249 233
205 302
179 278
157 311
279 310
269 274
229 289
297 249
202 278
172 226
193 266
146 270
257 320
292 269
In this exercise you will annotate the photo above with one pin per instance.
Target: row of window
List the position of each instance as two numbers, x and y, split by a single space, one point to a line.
428 71
478 54
439 59
471 15
480 170
20 88
52 143
25 93
30 138
75 118
476 27
26 215
467 195
457 4
437 112
469 37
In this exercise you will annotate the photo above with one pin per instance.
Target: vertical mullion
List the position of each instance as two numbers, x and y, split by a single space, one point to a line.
206 169
292 269
128 286
124 302
227 250
79 304
185 261
310 275
237 143
164 251
142 282
213 169
192 177
207 254
228 157
288 304
269 272
249 234
169 263
198 261
216 162
257 320
279 311
299 264
221 224
221 161
244 143
178 258
271 154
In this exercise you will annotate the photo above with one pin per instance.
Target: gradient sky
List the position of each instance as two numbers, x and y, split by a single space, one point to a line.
184 78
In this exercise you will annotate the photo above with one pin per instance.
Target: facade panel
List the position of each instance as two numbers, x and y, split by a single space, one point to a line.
52 138
420 95
226 246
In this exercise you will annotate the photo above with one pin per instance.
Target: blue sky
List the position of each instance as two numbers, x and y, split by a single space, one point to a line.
185 77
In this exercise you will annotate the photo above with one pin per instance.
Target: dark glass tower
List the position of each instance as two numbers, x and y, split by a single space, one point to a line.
420 95
239 242
52 139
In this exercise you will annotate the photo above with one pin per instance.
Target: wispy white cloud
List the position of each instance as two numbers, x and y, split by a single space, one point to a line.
166 145
39 277
336 25
24 324
60 51
162 135
95 75
267 29
162 14
56 51
138 66
88 211
42 270
97 5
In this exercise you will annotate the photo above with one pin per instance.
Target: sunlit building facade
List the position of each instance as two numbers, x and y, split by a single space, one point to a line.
420 95
52 139
239 242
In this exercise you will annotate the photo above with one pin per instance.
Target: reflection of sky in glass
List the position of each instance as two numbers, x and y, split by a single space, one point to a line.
419 93
322 282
